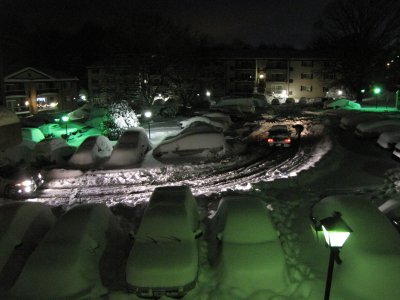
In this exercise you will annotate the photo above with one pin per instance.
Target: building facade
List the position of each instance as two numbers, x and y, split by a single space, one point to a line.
30 90
279 77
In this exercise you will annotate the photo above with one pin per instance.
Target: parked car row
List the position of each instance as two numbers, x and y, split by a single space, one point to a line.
63 258
384 128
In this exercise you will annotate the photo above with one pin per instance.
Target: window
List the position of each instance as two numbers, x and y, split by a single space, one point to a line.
277 64
290 92
276 89
290 80
307 63
307 76
277 77
306 88
329 76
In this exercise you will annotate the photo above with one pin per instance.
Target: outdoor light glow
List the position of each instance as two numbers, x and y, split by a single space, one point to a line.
65 118
27 103
362 91
53 104
336 231
147 114
261 76
377 90
208 93
335 239
340 92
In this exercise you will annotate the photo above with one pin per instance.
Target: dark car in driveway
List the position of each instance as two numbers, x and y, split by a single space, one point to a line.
16 182
279 136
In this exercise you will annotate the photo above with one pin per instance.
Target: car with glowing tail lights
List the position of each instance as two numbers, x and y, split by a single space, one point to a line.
18 182
279 136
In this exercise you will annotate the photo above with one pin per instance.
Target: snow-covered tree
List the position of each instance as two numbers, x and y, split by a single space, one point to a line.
119 117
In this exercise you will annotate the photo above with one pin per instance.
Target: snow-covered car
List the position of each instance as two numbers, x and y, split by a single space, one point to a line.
249 249
32 134
93 151
349 122
342 103
279 136
164 259
197 143
389 139
200 120
372 129
130 149
18 181
52 151
396 151
65 264
23 225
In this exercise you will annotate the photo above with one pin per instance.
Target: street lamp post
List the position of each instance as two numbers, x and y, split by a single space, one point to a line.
336 232
397 99
147 115
377 91
65 119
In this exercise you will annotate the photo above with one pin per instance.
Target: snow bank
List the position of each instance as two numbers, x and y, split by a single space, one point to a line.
32 134
7 117
66 263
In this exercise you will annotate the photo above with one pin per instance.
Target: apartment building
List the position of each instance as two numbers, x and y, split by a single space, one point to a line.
270 74
278 75
30 90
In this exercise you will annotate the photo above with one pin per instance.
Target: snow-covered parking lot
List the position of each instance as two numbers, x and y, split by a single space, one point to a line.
327 162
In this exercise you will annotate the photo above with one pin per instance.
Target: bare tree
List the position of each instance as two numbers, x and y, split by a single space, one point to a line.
361 36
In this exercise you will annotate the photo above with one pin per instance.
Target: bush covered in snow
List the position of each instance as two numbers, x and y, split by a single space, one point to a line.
119 117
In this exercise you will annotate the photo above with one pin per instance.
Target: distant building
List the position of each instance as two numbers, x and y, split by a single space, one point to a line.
29 90
275 73
266 73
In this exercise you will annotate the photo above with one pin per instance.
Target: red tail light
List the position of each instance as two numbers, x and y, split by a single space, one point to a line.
287 140
270 140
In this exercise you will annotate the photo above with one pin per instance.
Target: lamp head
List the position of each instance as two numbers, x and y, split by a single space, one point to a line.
336 231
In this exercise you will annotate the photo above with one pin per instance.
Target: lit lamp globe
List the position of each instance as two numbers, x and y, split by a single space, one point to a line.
335 230
147 114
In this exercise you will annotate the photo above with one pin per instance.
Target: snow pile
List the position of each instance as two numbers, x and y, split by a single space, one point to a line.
66 262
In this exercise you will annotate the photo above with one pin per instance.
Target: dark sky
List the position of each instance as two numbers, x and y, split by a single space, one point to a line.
253 21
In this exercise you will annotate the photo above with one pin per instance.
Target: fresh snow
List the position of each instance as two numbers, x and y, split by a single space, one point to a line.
327 162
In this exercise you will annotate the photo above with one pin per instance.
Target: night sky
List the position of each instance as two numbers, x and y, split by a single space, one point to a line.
252 21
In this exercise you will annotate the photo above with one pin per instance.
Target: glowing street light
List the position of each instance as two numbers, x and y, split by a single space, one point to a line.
208 93
377 90
65 119
148 115
340 92
336 232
